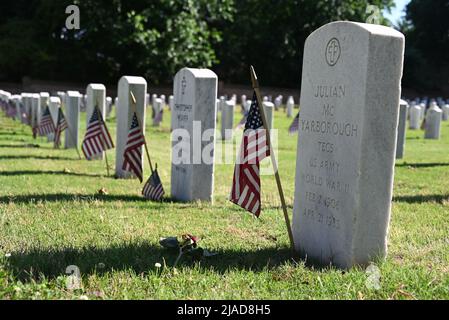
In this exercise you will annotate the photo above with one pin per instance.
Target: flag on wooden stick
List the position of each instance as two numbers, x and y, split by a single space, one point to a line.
133 149
47 125
61 125
153 189
97 139
246 185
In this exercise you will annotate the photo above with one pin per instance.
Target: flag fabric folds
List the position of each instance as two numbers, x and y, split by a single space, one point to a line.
61 125
246 183
133 150
97 139
153 189
47 125
294 126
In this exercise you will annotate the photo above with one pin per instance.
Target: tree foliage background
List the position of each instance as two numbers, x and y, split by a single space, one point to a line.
155 38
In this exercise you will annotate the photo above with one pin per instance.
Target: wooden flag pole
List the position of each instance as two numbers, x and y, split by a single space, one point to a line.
134 103
273 157
102 143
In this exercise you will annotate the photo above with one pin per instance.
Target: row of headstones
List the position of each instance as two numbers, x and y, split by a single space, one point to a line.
228 107
421 115
157 104
350 99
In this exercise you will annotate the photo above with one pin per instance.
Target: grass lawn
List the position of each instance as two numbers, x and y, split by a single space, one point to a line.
52 216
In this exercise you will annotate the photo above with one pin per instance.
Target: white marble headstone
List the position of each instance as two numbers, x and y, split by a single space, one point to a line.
269 113
433 122
193 138
227 120
96 96
35 110
402 128
72 113
290 107
350 95
415 117
125 112
171 102
53 105
158 112
445 110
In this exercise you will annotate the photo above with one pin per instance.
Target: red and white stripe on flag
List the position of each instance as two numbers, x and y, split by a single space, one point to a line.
246 184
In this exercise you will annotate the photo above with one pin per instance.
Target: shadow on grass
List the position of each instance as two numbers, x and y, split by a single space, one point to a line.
25 146
422 165
37 173
61 197
15 133
30 157
435 198
64 197
138 258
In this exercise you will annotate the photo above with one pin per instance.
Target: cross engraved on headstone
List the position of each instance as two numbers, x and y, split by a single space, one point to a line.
333 52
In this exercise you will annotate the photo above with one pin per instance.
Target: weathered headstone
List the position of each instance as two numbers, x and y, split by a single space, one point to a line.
415 117
278 102
445 110
227 120
35 111
243 103
158 112
423 110
290 107
171 102
54 104
84 103
62 95
45 100
433 122
346 150
269 112
222 103
96 96
125 112
193 123
28 107
147 100
72 114
108 107
402 128
153 101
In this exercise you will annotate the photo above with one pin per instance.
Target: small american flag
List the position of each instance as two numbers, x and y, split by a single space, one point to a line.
97 137
295 126
133 149
246 185
47 125
60 127
153 189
